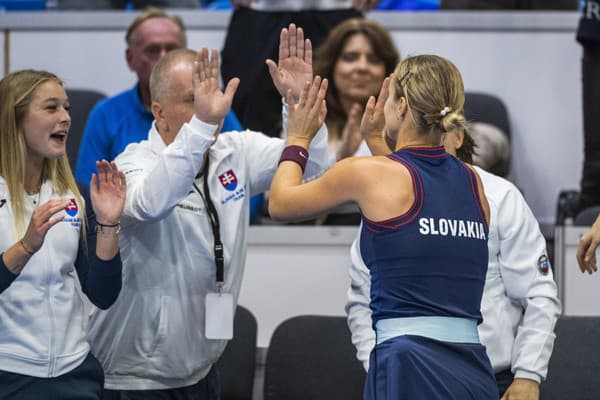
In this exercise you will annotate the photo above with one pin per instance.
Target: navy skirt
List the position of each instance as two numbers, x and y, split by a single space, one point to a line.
412 367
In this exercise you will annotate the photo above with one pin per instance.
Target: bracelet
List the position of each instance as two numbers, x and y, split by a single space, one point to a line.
108 229
25 248
108 226
297 154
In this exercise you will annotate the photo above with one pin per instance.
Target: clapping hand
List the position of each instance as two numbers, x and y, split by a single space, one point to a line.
107 192
41 222
351 136
211 105
295 62
306 117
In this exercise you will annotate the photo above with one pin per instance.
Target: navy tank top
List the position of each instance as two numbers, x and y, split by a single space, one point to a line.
432 260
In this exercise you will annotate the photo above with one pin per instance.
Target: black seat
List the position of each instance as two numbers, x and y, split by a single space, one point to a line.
82 101
587 216
312 358
487 108
575 361
237 364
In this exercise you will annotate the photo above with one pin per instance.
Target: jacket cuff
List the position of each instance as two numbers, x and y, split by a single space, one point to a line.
6 277
527 375
207 131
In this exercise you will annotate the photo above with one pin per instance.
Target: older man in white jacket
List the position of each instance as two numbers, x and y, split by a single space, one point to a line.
184 240
520 305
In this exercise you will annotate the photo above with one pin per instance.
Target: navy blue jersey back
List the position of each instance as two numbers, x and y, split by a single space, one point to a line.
432 260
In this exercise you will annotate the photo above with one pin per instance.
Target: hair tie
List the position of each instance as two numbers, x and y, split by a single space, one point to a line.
445 111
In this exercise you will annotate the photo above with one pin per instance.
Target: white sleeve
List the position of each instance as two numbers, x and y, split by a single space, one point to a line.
528 279
357 306
154 189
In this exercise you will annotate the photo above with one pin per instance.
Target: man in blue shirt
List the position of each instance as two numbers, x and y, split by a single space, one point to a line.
126 118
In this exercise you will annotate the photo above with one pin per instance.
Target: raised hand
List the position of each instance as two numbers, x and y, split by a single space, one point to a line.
107 192
41 221
351 136
211 105
295 62
373 121
306 117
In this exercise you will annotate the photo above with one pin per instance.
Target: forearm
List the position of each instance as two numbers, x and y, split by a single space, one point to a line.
535 337
289 174
152 195
16 257
363 336
107 244
103 282
11 266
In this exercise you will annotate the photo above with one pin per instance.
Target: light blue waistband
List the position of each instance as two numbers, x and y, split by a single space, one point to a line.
446 329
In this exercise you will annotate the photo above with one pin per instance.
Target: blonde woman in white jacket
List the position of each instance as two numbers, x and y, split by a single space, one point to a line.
45 265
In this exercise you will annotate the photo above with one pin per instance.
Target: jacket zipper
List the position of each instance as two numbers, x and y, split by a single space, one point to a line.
52 344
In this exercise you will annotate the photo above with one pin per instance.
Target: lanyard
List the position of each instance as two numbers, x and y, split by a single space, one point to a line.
213 217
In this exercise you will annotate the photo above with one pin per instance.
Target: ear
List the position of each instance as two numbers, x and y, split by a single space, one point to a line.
129 58
402 107
159 117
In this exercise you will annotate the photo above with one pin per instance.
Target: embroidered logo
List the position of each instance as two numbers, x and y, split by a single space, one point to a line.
543 264
71 209
228 180
2 203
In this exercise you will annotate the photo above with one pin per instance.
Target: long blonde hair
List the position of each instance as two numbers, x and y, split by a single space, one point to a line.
16 91
434 92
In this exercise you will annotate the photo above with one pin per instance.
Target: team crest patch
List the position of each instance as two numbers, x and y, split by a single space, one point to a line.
228 180
543 264
71 209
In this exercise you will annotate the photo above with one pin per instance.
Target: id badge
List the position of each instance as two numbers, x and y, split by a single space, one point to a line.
219 316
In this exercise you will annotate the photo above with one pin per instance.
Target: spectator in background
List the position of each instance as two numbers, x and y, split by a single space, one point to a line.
356 57
588 34
126 118
520 304
253 36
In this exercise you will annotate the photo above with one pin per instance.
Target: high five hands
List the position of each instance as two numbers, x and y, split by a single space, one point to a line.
211 104
372 124
295 62
306 116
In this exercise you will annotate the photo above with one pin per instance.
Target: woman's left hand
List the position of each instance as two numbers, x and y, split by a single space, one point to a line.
107 191
306 117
